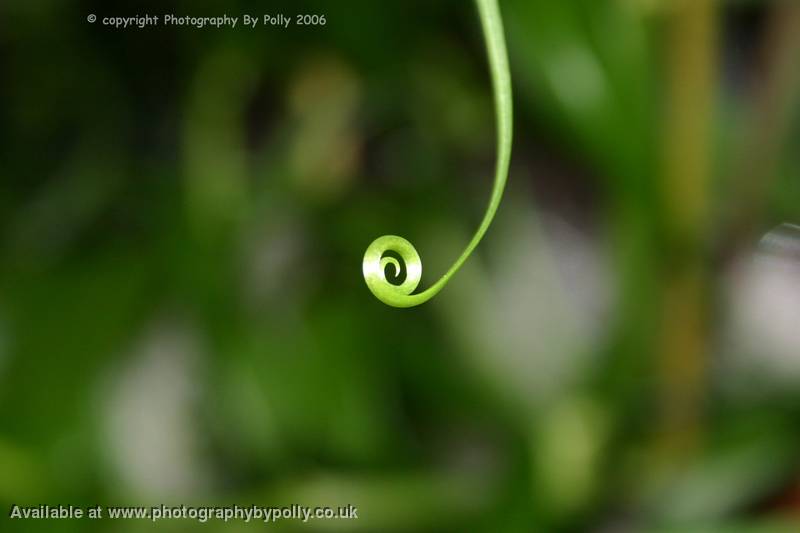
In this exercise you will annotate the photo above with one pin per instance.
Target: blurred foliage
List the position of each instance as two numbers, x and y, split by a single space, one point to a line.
183 214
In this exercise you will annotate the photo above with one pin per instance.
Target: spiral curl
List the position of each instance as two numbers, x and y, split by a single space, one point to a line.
377 258
375 266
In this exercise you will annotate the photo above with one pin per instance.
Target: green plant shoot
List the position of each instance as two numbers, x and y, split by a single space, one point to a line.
376 259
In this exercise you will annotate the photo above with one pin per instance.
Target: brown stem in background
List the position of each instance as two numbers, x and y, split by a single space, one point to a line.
686 187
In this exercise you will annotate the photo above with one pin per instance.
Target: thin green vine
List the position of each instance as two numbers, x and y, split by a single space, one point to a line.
376 259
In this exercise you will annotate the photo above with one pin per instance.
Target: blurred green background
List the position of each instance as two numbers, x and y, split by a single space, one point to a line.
183 214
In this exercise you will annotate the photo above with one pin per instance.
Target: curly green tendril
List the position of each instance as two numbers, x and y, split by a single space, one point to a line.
391 249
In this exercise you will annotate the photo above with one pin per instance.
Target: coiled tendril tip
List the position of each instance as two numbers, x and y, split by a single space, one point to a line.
398 257
394 253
